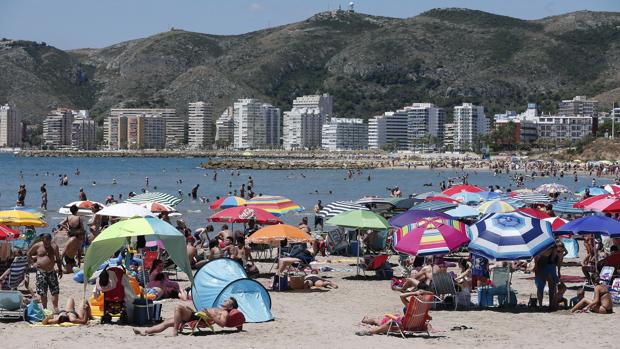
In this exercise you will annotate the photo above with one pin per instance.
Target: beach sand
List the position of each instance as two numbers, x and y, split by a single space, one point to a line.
330 319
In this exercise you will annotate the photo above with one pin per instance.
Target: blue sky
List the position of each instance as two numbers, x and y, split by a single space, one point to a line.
69 24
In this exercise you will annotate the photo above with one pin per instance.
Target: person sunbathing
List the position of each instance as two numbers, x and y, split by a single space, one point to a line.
383 325
601 303
316 282
424 276
70 315
183 314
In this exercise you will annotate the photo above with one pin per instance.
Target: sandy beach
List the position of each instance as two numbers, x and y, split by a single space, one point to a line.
330 319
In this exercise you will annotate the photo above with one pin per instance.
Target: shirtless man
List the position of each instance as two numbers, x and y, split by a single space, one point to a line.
183 314
223 234
601 303
73 248
79 316
47 254
192 251
244 253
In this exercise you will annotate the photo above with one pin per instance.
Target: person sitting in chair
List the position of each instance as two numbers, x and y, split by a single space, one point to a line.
184 314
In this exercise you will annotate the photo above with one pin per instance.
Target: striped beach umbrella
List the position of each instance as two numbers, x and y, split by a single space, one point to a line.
604 205
613 189
592 191
489 195
495 206
435 206
532 198
162 198
431 236
338 207
556 222
552 188
443 199
510 236
589 201
227 202
462 188
566 207
244 214
276 205
533 212
412 216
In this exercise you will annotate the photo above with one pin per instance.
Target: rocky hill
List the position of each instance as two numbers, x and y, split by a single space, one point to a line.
370 64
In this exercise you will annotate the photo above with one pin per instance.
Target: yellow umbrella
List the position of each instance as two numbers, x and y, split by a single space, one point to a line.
18 218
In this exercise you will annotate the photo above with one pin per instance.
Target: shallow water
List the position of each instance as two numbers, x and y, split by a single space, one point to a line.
164 173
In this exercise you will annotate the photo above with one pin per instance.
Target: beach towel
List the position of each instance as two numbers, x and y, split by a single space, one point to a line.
572 246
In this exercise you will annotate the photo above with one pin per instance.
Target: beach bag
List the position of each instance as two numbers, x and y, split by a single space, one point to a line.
34 312
485 297
280 283
296 281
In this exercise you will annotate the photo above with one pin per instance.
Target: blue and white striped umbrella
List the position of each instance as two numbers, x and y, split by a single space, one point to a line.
510 236
566 207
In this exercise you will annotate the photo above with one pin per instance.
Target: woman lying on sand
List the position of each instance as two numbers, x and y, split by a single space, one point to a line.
79 317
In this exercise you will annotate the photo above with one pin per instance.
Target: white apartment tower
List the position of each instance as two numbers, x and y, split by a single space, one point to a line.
345 134
302 128
200 125
425 124
324 103
57 128
257 125
225 127
578 106
10 127
470 123
388 129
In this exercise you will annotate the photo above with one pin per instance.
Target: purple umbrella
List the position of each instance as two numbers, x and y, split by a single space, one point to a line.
413 216
600 225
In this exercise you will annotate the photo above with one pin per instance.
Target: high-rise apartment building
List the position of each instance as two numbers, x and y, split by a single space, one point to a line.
57 128
470 123
425 125
257 125
273 125
10 127
389 129
565 128
83 131
225 128
448 136
302 128
115 140
344 134
324 103
578 106
200 125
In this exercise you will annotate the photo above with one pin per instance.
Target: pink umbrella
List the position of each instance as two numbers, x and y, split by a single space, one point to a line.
7 233
610 205
431 236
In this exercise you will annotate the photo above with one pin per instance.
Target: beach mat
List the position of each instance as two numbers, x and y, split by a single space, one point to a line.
564 278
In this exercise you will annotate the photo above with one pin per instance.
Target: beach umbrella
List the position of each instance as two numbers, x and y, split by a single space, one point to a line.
592 199
227 202
412 216
338 207
7 233
532 198
467 198
431 236
495 206
600 225
462 188
428 194
443 199
84 207
592 191
162 198
463 211
556 222
276 205
435 206
566 207
369 200
244 214
533 212
510 236
115 236
359 219
514 202
407 203
552 188
613 189
277 233
605 206
488 195
125 210
19 218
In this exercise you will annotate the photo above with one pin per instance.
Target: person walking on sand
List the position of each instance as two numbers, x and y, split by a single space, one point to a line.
44 255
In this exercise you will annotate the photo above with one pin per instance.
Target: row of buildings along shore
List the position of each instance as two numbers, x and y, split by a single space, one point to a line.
310 124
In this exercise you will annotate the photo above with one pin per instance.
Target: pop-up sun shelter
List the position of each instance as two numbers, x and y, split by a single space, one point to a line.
223 278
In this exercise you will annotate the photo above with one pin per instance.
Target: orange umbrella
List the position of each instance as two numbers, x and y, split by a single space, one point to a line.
279 232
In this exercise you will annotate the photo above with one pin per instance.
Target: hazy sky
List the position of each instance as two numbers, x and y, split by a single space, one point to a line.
71 24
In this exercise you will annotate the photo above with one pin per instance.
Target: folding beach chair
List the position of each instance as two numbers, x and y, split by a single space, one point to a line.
501 280
11 300
375 264
149 258
416 319
443 286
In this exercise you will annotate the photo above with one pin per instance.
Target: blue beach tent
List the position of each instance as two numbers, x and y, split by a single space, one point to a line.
223 278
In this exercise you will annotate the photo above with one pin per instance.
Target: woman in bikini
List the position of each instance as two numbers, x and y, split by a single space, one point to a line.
316 282
79 317
601 303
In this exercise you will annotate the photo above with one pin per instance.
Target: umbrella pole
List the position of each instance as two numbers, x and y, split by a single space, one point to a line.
357 251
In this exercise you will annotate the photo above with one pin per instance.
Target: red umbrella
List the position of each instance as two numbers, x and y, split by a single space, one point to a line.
7 233
556 222
610 205
534 212
592 199
461 188
244 214
441 198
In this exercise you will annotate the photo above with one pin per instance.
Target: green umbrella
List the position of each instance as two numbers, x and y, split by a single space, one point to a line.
359 219
115 236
